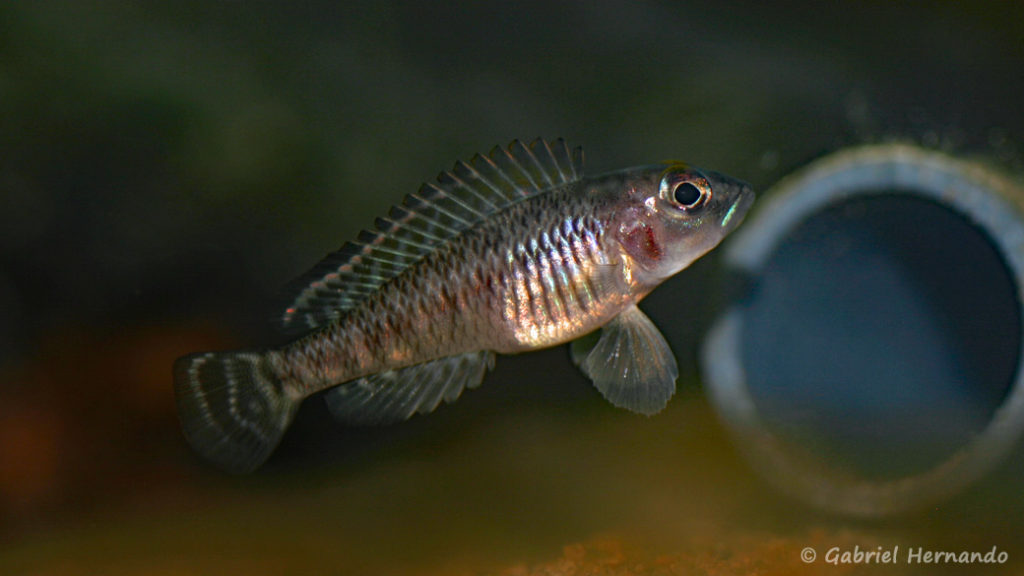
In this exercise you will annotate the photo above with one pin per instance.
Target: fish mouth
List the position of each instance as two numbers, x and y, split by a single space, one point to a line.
744 200
739 192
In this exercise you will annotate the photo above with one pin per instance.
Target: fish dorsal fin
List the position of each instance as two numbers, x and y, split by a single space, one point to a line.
460 199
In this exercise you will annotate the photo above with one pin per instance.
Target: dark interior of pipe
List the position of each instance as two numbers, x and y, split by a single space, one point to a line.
882 334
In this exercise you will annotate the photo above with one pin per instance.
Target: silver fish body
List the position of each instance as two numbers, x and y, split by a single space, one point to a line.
512 252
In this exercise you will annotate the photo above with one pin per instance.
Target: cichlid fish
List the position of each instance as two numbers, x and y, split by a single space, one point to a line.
510 252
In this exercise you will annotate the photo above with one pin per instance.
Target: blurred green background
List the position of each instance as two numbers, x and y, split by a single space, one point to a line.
165 168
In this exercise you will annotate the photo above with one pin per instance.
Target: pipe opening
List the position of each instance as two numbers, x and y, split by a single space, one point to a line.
872 364
882 334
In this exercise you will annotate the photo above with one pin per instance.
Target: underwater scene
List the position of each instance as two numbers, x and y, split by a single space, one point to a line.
618 288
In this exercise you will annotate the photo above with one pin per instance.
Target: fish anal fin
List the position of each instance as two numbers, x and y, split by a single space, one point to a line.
629 362
396 395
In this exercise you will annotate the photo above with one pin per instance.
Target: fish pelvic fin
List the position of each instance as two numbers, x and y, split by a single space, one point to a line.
629 362
395 395
233 407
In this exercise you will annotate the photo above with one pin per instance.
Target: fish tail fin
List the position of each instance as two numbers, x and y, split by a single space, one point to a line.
233 407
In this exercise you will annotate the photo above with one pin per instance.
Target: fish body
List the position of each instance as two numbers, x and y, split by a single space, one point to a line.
511 252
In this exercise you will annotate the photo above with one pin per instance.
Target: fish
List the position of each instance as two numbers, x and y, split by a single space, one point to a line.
512 251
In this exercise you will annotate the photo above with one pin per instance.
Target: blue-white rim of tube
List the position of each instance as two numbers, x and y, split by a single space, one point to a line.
987 198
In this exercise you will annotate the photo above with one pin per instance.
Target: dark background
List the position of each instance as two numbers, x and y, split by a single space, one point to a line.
165 168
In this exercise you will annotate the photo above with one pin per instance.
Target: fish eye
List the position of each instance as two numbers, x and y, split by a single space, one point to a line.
686 194
686 190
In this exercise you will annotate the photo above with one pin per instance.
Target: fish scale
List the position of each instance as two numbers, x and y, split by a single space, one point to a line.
510 252
444 300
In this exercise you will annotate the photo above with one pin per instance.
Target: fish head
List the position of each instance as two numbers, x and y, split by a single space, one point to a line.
673 215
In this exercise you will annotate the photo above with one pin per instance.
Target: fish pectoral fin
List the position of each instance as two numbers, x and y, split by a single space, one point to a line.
629 362
395 395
